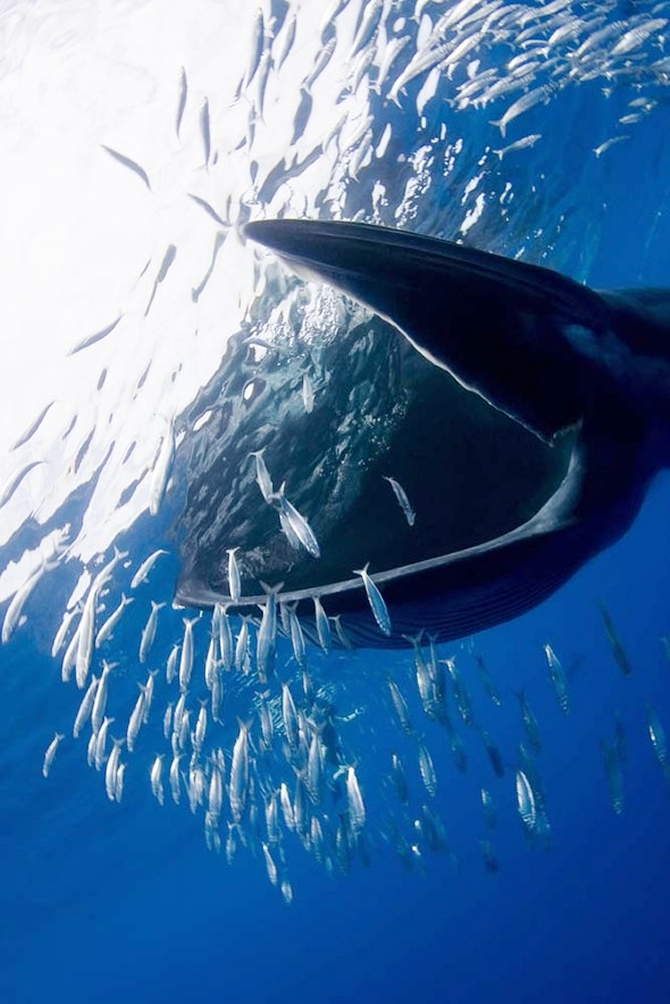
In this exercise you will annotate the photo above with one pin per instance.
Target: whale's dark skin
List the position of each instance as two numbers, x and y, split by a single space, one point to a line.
583 376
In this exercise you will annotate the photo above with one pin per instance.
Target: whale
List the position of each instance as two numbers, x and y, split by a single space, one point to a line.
524 414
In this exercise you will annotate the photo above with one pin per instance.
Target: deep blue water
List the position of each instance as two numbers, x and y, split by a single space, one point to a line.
102 902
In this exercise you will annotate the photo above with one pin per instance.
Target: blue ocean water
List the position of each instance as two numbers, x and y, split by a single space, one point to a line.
103 900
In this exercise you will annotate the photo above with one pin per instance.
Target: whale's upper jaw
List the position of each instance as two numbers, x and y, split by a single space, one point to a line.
505 329
542 350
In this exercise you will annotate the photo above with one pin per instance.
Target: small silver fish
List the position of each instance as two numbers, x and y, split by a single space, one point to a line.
112 769
401 709
107 629
322 625
135 721
525 800
234 581
85 707
403 501
355 802
61 634
376 600
297 522
186 659
51 753
142 573
239 773
130 164
204 129
156 778
183 93
149 631
263 479
558 679
171 669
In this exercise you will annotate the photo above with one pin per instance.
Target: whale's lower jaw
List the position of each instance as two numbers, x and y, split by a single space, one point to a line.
459 594
446 601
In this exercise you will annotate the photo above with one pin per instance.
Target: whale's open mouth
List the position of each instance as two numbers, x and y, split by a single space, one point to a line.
332 420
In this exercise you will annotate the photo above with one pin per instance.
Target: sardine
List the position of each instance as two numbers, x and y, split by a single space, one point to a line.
211 661
119 782
15 480
225 639
205 131
215 793
401 709
200 728
322 625
85 707
171 669
175 784
242 646
263 479
149 631
286 807
617 648
342 636
427 770
112 769
239 773
234 582
87 623
183 93
156 778
297 522
375 600
186 659
100 702
267 633
461 695
290 717
314 776
107 629
135 721
297 639
101 743
403 501
59 639
51 751
15 608
167 720
142 573
525 800
29 433
355 802
95 338
130 164
558 679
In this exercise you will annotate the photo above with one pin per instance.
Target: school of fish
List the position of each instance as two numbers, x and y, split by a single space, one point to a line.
250 721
